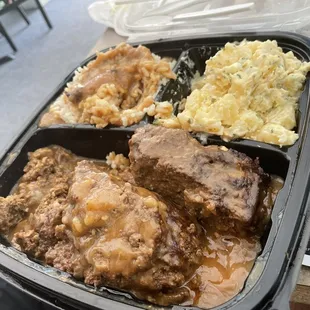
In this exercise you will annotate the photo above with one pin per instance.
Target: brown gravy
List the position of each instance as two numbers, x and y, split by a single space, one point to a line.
228 260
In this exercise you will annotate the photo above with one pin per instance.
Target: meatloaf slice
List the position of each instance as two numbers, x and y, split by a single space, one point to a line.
209 180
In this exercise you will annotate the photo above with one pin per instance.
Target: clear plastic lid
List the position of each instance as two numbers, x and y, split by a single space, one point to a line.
143 20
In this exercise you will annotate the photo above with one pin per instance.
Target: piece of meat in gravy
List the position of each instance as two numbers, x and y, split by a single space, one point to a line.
207 180
43 189
127 237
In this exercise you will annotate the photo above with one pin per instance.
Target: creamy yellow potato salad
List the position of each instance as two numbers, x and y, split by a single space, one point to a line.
249 90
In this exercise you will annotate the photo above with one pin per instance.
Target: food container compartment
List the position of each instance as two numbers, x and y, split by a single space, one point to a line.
273 275
94 143
192 62
157 49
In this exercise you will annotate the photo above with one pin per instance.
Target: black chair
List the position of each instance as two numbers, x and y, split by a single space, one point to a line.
15 4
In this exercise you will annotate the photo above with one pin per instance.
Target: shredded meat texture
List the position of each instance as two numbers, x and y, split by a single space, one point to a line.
116 88
207 180
43 190
12 211
41 233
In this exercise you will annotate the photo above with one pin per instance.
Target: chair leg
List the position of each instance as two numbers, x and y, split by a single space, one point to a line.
8 38
44 13
23 14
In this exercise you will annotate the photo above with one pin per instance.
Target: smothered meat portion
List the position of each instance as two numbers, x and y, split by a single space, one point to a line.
128 237
82 217
44 188
171 224
117 88
208 181
45 181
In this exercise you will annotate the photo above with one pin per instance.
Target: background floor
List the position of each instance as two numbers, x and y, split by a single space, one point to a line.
43 59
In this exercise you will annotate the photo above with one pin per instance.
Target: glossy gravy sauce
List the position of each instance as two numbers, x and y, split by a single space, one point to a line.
228 260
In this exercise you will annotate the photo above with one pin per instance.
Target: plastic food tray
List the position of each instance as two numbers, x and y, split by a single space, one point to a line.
275 272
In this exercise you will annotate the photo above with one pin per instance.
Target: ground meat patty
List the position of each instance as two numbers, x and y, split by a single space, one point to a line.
209 180
127 237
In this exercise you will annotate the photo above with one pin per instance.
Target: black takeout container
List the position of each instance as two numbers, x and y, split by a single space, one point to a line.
275 272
